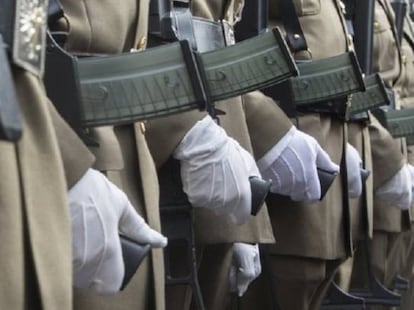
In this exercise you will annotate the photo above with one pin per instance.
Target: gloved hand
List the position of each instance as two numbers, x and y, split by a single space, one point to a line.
99 211
215 171
353 166
246 267
291 165
411 169
397 191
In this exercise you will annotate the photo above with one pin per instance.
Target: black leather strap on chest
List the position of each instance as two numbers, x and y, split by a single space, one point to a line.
294 34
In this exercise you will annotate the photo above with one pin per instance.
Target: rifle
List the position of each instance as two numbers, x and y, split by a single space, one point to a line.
133 254
360 16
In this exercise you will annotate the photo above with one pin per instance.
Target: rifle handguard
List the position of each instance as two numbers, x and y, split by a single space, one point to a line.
133 254
260 188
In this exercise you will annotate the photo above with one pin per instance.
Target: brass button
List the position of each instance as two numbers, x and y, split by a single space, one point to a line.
342 6
296 36
404 59
142 127
142 43
376 25
350 40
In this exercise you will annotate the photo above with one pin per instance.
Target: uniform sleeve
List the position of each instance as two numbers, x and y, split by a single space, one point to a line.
164 134
75 155
267 123
387 156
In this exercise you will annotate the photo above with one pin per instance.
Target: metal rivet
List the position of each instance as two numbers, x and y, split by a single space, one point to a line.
142 127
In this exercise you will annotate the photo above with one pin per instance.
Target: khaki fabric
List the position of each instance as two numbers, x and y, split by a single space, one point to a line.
387 153
291 283
264 119
107 27
407 101
138 294
387 160
312 239
258 228
75 155
386 54
362 208
36 263
165 134
315 230
97 26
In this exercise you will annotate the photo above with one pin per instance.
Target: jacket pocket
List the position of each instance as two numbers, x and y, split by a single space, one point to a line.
307 7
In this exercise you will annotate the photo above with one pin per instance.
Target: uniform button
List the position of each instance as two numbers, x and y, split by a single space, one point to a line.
142 127
376 25
142 43
350 40
343 7
296 36
404 59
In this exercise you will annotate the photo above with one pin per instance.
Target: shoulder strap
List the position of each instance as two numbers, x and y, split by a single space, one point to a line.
294 34
141 31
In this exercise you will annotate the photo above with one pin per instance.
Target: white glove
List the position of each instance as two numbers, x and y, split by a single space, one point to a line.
99 211
245 268
291 165
353 167
215 171
397 192
411 169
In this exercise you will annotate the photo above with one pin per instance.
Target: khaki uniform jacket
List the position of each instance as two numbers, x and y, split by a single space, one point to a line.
36 260
387 153
316 230
108 27
361 208
407 80
165 134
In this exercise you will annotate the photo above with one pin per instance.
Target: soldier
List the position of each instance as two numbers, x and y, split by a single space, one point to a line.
313 239
39 167
117 156
166 138
288 150
392 182
406 93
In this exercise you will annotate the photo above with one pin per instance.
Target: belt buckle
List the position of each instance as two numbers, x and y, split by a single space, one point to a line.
30 35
